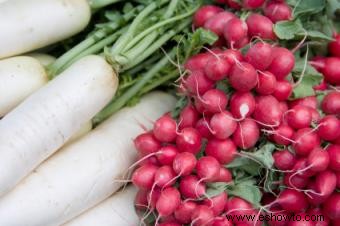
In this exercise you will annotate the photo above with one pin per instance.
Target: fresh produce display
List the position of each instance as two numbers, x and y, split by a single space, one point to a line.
243 130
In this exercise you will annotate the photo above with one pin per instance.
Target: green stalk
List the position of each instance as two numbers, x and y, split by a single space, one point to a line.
96 4
120 102
159 82
143 65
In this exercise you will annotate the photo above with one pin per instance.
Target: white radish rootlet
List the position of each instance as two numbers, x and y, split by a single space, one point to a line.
44 121
84 173
117 210
27 25
19 77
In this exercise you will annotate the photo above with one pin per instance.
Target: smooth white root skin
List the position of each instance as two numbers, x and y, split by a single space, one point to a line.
43 58
19 77
117 210
27 25
44 121
82 174
87 127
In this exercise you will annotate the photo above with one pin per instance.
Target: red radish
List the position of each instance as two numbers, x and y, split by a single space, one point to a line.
283 90
199 106
188 117
318 159
331 206
146 144
165 129
234 4
202 127
268 111
208 168
331 71
321 87
242 43
171 223
225 175
246 134
184 163
266 84
315 115
302 168
252 4
295 181
331 103
242 104
167 154
204 13
337 179
318 62
217 203
164 176
168 201
276 218
283 107
197 62
191 187
184 211
217 22
235 30
318 212
221 221
313 197
305 141
141 199
284 160
283 135
292 200
217 68
302 222
223 150
143 177
277 11
214 100
329 128
260 55
202 216
232 55
260 26
150 160
153 196
310 101
282 64
334 46
198 83
299 117
325 182
222 125
189 140
243 77
237 207
334 156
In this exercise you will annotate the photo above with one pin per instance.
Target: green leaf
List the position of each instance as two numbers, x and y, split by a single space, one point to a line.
318 35
287 30
245 164
216 189
271 176
181 103
263 155
308 7
248 191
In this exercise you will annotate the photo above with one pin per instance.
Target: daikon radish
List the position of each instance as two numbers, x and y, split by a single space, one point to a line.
43 58
117 210
19 77
82 174
44 121
87 127
27 25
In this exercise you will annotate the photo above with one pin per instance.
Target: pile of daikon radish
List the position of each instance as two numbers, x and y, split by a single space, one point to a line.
55 167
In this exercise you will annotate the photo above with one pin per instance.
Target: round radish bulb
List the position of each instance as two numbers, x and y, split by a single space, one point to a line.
217 203
283 107
268 111
234 4
191 187
277 11
292 200
221 221
282 64
302 222
315 115
146 144
236 207
153 196
165 129
217 22
242 43
325 183
295 181
150 160
310 101
167 154
246 134
331 206
197 62
171 223
217 68
232 55
331 71
284 160
317 211
189 140
302 168
214 100
318 62
318 159
260 55
331 103
222 125
198 83
260 26
204 13
184 163
252 4
337 179
283 90
334 156
143 177
283 135
164 176
243 77
184 211
242 104
188 117
313 197
223 150
305 141
334 46
141 199
226 177
235 30
203 215
168 201
266 84
299 117
208 168
329 128
202 127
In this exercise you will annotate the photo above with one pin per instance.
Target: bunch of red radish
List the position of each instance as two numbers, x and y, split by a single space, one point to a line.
180 157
